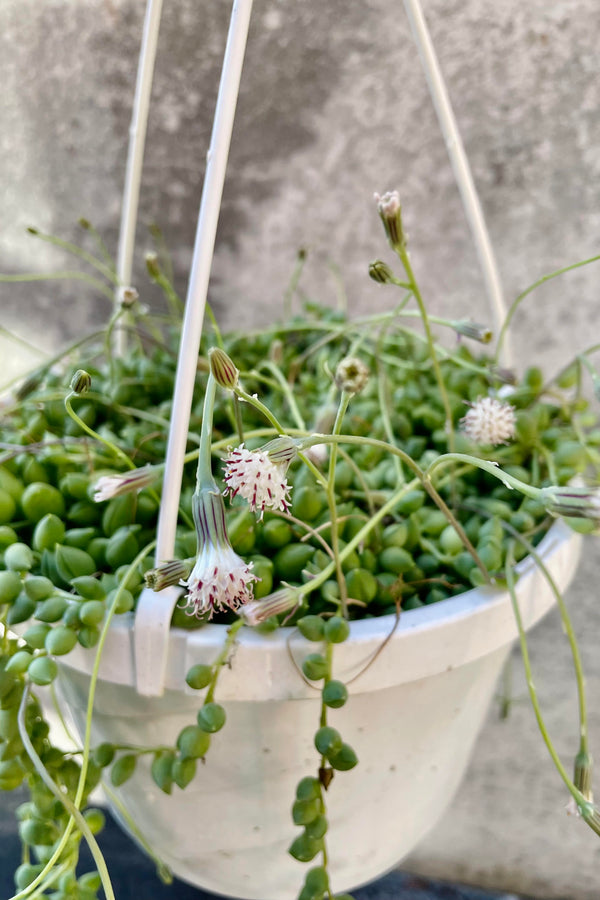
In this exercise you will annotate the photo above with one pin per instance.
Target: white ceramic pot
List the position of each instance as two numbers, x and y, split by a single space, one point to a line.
412 717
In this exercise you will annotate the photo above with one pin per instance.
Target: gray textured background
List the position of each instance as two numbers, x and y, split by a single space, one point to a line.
334 106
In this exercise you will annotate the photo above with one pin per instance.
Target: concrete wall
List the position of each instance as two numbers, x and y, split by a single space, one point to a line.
333 107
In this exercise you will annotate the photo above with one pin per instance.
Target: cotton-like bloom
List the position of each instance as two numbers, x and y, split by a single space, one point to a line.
351 375
109 486
489 422
261 482
220 579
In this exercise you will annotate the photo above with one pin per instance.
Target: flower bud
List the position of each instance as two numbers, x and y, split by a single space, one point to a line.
381 272
152 265
582 777
281 450
109 486
568 501
388 207
257 611
168 574
276 351
223 369
473 330
351 375
127 297
81 382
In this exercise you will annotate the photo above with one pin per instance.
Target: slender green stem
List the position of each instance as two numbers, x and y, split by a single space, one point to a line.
254 401
293 285
70 807
257 404
163 871
104 251
403 254
204 476
335 538
568 629
490 467
45 880
518 300
383 394
423 477
580 800
38 371
9 335
222 658
63 275
107 271
94 434
215 326
358 538
287 391
239 423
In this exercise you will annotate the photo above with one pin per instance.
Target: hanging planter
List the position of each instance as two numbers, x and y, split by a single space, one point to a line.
420 689
328 640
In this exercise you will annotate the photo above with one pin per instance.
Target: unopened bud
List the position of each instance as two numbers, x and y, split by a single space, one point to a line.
582 777
276 351
473 330
152 265
581 502
85 223
381 272
169 574
31 230
223 369
388 207
81 382
281 450
505 375
351 375
128 296
109 486
257 611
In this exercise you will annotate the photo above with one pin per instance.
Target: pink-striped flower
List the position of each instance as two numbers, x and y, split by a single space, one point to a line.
220 579
254 476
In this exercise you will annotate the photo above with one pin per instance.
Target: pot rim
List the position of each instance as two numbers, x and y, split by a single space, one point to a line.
432 639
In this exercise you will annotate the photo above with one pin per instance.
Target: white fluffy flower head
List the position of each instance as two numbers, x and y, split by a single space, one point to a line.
220 579
254 476
489 422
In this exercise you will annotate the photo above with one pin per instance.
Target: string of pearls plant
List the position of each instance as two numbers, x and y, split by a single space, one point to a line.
343 469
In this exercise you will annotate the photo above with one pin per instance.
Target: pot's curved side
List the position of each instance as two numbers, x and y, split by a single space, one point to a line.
228 832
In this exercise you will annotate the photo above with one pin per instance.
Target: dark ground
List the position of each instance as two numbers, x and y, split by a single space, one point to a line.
133 874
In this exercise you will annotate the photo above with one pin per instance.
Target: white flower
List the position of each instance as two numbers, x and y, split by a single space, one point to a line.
254 476
109 486
220 580
489 422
